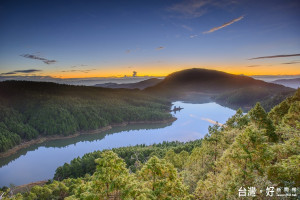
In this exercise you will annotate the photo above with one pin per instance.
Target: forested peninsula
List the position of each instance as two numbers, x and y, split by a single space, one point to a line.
40 110
257 149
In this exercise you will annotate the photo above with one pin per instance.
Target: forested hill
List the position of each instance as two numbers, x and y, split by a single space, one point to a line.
227 89
258 150
32 109
139 85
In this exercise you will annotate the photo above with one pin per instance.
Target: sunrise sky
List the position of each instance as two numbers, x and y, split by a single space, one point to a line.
75 39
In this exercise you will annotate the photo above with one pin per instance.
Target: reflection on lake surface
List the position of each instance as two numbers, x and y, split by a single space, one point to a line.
39 162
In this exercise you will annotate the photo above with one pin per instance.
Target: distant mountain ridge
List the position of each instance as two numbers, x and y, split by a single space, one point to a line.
293 83
139 85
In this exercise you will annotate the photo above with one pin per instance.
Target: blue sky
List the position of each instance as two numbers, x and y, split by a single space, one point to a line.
114 38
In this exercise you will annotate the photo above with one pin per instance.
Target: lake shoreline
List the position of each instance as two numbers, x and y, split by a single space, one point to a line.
40 140
27 187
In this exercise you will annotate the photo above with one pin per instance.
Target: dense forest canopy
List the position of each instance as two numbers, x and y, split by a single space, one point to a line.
32 109
258 150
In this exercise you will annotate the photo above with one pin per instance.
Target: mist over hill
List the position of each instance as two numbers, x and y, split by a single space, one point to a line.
293 83
91 81
138 85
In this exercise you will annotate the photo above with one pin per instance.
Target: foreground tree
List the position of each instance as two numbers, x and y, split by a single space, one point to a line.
162 179
260 118
244 164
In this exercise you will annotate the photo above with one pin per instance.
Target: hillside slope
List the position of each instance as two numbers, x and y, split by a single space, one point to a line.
29 110
227 89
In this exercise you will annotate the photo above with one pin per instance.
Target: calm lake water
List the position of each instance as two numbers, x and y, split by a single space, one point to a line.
39 162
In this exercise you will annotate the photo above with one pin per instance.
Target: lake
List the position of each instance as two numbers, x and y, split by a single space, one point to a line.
39 162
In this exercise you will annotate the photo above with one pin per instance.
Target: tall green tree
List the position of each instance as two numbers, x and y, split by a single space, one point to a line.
260 118
162 179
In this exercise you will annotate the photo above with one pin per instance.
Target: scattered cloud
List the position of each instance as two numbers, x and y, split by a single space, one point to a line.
253 66
46 61
290 63
160 48
224 25
187 27
21 71
193 36
82 71
82 65
275 56
197 8
190 8
133 50
134 74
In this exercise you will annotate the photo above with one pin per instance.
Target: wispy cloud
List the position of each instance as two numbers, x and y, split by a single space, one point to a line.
133 50
253 66
46 61
21 71
193 36
160 48
290 63
197 8
190 8
187 27
82 71
224 25
275 56
82 65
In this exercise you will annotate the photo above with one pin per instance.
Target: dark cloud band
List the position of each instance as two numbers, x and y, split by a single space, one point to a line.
46 61
275 56
21 71
291 63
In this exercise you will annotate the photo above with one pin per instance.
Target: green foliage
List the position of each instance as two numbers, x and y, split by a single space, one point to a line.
7 138
111 173
286 172
54 109
238 120
242 153
260 118
177 159
157 179
134 157
246 97
286 117
253 158
162 178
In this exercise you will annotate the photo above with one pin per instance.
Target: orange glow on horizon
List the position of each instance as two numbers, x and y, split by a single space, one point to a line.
165 69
